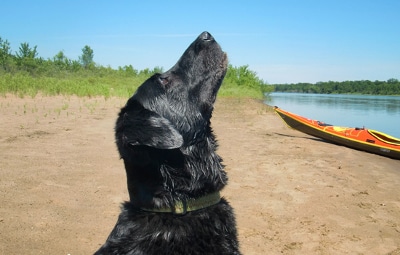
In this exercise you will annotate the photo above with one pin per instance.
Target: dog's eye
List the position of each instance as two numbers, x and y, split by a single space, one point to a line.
163 80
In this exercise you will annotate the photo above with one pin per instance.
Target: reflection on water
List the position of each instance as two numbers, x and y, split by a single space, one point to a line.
381 113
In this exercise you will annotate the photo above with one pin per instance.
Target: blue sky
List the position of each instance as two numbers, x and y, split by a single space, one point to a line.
283 41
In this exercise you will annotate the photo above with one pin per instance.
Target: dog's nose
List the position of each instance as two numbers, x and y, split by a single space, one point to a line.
206 36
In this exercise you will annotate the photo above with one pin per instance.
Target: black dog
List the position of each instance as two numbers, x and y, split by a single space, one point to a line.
174 175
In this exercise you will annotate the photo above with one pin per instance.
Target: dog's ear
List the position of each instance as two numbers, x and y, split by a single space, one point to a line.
144 127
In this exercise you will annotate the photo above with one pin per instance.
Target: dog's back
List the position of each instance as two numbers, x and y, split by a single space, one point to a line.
174 175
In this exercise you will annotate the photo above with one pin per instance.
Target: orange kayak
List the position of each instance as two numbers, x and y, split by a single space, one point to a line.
357 138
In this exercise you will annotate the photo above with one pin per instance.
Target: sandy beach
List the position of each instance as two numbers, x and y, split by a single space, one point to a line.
62 182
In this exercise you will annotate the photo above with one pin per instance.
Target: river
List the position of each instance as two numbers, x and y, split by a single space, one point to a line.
380 113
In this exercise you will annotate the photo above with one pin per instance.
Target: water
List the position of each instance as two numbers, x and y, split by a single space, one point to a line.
380 113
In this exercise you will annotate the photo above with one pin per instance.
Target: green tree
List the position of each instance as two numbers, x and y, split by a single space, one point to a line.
5 53
26 57
392 81
59 57
26 52
61 60
86 58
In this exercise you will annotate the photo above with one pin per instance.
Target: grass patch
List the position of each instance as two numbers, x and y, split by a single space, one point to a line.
26 85
92 85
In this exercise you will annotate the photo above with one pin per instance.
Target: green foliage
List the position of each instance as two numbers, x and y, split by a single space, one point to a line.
86 58
26 57
5 53
240 81
26 52
26 74
389 87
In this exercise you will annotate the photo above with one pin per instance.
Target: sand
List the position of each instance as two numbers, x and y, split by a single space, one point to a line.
62 182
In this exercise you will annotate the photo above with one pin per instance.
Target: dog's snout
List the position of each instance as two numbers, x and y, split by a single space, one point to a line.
206 36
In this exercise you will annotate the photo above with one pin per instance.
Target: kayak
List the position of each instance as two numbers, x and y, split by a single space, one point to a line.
357 138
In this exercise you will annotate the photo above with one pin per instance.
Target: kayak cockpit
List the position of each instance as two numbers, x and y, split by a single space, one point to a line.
384 137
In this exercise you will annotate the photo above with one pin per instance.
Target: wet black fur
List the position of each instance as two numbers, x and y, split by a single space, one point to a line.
164 136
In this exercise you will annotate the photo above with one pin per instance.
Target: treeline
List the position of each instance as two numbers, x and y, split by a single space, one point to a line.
389 87
25 72
26 60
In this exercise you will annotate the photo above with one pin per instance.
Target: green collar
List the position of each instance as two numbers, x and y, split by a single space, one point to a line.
184 206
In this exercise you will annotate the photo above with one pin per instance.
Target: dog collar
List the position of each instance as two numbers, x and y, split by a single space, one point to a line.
190 205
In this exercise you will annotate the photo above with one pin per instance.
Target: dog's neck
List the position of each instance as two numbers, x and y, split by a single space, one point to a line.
184 206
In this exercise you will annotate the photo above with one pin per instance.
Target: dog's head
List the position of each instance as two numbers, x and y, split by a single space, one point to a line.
163 133
172 109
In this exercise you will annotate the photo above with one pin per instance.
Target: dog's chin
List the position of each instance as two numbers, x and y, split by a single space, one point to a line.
222 67
224 64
